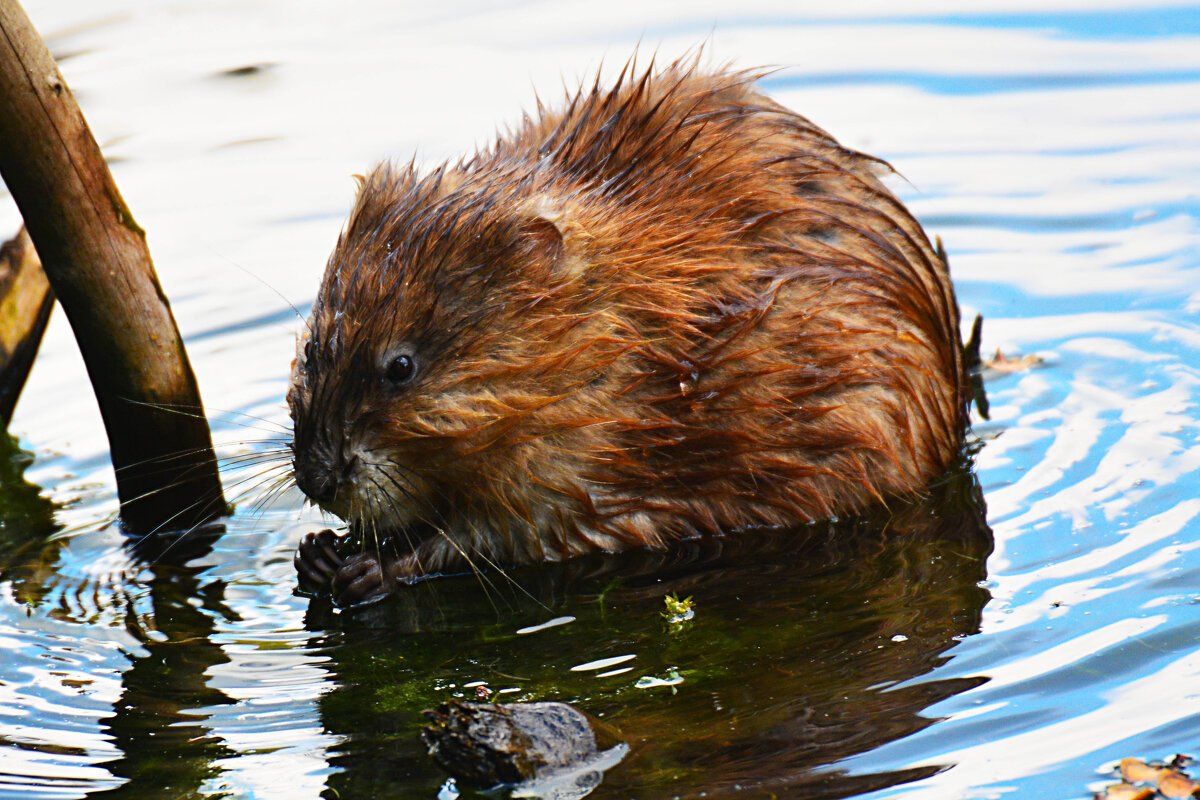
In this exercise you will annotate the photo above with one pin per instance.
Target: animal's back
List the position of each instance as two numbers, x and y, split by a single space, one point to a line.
799 353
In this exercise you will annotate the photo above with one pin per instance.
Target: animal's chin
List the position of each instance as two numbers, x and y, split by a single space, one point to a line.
339 510
362 513
398 541
402 531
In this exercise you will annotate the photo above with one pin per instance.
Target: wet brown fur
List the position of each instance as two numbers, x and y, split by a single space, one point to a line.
673 308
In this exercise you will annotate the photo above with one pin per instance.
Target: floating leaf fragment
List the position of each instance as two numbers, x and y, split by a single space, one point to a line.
1170 781
672 679
1135 770
1124 791
1175 784
1005 364
677 611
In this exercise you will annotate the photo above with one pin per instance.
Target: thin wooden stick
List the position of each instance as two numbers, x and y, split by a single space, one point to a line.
26 301
96 258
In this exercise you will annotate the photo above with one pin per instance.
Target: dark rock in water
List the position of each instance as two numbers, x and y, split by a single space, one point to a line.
487 744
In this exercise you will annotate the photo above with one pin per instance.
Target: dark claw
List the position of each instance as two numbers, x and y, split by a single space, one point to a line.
361 580
317 560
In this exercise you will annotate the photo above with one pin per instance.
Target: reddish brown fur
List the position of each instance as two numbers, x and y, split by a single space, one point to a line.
673 308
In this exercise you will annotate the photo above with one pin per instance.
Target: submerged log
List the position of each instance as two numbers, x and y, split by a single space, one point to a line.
96 258
26 301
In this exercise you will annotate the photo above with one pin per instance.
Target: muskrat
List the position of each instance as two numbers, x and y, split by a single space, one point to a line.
672 308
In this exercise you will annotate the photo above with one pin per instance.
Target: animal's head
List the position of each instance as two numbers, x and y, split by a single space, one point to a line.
446 350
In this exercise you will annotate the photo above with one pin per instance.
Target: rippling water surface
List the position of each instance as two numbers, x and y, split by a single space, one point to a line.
1054 146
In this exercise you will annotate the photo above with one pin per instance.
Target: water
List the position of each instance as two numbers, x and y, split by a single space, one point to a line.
1053 146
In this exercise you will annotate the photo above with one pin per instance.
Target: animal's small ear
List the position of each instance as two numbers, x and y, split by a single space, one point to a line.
543 242
551 238
299 375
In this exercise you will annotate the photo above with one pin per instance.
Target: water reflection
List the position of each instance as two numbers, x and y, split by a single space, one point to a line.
806 650
808 647
27 554
167 749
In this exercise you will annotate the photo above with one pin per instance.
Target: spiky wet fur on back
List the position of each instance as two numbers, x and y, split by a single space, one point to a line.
672 308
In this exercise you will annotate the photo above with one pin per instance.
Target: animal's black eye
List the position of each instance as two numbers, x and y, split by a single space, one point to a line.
400 370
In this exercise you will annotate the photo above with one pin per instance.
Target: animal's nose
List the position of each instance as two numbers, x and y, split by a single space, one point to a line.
321 481
321 485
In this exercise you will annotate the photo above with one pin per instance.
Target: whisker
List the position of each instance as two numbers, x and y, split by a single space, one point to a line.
259 278
275 492
194 412
275 489
275 474
440 527
414 547
165 527
437 526
504 573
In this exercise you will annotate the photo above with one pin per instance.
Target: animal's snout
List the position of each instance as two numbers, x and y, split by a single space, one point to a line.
322 480
320 485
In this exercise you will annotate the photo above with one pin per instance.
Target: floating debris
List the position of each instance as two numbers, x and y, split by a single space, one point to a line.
536 749
1006 365
1166 780
673 679
678 611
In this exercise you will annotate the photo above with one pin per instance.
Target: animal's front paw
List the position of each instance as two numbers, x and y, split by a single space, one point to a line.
362 579
317 560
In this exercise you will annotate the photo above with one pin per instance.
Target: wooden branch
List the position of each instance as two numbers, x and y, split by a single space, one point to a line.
95 256
25 305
